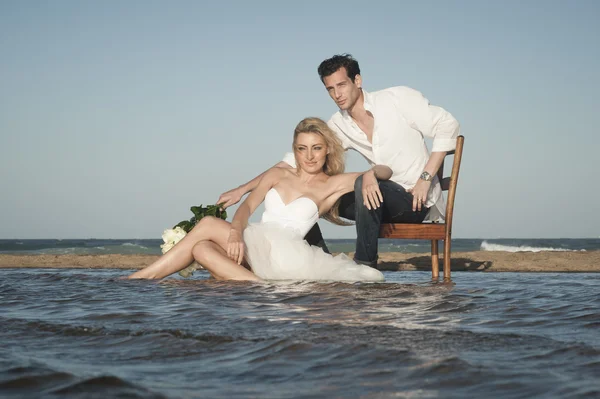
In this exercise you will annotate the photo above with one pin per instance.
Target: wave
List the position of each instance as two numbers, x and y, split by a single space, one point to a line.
486 246
32 381
131 244
68 251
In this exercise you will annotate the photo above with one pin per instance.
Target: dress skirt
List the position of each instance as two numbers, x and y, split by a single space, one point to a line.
279 253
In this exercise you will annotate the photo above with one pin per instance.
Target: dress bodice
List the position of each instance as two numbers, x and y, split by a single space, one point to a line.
301 214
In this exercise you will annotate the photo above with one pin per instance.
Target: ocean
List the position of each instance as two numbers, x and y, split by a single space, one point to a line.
152 246
77 333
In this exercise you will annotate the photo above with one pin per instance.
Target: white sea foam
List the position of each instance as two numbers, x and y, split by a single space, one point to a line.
486 246
60 251
130 244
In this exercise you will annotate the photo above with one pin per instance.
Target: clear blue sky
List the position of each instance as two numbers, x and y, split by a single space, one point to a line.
117 116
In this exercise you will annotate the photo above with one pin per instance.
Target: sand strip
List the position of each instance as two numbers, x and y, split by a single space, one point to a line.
471 261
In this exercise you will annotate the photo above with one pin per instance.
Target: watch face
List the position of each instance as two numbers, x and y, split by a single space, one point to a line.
425 176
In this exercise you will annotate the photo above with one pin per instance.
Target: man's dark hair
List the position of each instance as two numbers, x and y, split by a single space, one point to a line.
331 65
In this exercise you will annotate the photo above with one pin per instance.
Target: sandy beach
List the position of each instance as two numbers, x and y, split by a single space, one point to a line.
392 261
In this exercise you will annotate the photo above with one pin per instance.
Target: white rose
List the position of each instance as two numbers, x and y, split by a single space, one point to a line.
167 246
168 235
179 234
173 235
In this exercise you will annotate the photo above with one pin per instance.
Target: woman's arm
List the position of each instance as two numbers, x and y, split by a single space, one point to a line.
256 197
233 196
378 172
345 184
372 196
235 243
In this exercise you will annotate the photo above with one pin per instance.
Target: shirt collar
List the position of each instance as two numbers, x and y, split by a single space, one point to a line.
368 103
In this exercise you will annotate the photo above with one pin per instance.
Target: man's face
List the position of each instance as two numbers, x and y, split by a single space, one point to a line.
342 90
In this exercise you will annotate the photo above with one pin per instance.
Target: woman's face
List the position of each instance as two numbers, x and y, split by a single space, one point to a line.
310 150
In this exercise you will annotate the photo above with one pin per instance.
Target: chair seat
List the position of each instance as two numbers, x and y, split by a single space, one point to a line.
415 231
433 231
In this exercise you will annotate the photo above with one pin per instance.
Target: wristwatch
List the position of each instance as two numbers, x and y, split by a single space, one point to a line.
426 176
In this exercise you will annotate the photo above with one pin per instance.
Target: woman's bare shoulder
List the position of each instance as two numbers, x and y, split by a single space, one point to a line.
335 179
342 180
272 176
277 173
339 185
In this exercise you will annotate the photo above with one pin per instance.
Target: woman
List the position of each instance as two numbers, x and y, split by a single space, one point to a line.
294 200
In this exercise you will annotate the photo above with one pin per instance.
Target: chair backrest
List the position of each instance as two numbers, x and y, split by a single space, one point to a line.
449 183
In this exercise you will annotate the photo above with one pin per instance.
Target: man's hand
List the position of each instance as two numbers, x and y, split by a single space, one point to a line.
372 197
235 246
419 192
231 197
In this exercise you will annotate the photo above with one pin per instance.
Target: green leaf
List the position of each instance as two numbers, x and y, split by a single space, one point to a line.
220 212
185 225
198 211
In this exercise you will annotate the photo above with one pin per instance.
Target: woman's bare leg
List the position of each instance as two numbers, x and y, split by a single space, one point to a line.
214 259
180 256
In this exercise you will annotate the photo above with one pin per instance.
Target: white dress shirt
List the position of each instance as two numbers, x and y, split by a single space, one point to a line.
403 118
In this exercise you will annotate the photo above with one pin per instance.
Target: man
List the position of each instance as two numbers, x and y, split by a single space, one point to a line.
387 127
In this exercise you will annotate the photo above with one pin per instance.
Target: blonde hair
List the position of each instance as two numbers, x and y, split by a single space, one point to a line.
334 162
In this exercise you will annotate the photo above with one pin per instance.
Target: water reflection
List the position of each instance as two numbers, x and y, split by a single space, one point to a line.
490 334
408 306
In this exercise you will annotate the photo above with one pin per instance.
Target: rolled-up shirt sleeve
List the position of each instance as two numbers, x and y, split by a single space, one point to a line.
432 121
289 159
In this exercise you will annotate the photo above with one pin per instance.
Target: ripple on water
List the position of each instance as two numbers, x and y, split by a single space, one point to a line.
30 379
105 386
82 333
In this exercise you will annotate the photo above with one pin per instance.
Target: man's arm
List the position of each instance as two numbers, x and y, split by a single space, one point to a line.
421 189
432 121
234 196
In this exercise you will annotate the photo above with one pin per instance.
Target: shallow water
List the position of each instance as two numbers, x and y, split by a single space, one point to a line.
84 334
132 246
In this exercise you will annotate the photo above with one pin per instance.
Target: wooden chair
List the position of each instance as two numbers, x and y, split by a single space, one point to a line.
433 231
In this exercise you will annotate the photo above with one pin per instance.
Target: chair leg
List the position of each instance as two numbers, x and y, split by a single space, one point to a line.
435 260
447 244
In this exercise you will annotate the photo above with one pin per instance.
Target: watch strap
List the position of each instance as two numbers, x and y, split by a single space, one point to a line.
426 176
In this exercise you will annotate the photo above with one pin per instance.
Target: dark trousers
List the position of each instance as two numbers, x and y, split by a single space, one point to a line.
396 208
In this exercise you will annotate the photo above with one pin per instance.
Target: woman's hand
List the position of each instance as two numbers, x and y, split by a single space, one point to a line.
235 246
231 197
372 197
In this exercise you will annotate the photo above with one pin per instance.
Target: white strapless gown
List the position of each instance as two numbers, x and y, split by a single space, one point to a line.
276 249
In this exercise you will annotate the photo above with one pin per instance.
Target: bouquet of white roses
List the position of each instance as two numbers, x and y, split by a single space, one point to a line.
180 230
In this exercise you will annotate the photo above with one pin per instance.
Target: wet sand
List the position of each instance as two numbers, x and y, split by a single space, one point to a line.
392 261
